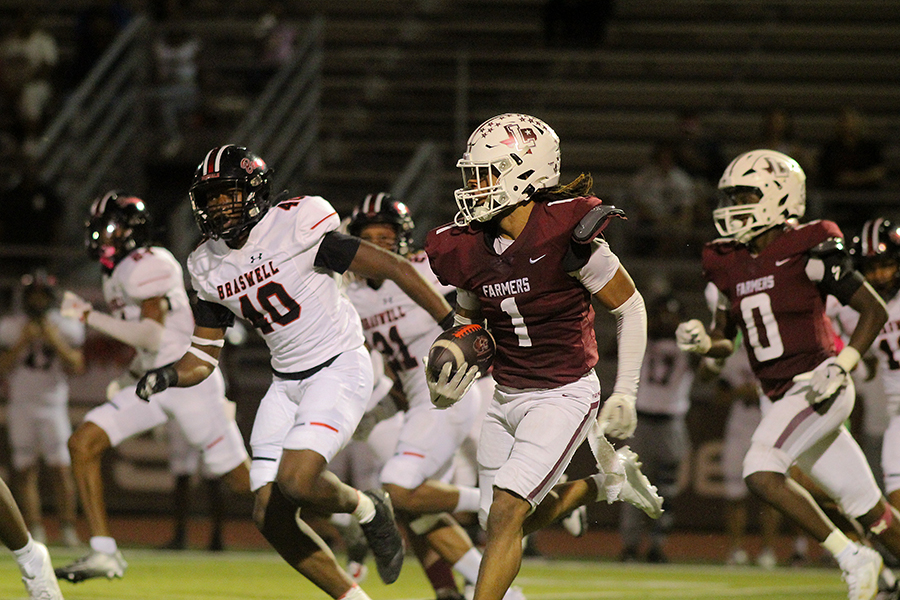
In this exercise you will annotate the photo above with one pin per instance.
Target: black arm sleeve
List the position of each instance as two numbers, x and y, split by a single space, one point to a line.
337 251
840 278
210 314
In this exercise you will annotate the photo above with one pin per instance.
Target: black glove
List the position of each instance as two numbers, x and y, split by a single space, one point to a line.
155 381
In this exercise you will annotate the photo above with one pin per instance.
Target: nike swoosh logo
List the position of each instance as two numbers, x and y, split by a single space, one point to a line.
778 263
534 260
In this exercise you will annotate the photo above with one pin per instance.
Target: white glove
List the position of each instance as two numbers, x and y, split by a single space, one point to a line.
74 306
446 391
620 416
691 336
825 381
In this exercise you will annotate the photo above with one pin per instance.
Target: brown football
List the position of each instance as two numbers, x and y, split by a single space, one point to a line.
472 344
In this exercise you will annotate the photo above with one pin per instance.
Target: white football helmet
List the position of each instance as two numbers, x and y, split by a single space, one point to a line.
507 159
778 181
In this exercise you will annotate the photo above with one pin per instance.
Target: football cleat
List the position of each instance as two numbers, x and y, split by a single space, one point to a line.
94 565
384 537
637 489
861 570
576 523
41 582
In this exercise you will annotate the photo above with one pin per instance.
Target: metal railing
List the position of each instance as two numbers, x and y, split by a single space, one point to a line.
93 137
284 121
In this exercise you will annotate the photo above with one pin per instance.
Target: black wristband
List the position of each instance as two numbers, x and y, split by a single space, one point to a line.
170 375
447 322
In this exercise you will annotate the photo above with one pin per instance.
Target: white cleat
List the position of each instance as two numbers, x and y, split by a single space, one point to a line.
638 490
576 523
860 571
93 565
41 584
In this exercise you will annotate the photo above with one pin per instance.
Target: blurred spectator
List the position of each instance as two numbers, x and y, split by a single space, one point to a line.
664 196
29 54
97 27
577 23
41 349
661 437
276 37
32 212
698 152
777 133
851 160
177 90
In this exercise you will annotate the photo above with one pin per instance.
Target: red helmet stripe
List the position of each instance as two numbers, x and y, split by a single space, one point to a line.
869 240
213 160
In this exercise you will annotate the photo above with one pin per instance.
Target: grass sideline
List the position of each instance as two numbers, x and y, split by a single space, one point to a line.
245 575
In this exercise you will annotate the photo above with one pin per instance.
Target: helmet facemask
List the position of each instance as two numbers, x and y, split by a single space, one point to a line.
118 224
225 209
877 254
381 208
507 159
109 241
775 179
230 192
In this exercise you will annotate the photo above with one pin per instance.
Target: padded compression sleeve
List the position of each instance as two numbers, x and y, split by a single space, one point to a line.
145 334
210 314
631 335
337 251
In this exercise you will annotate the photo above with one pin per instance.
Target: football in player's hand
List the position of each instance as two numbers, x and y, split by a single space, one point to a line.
472 344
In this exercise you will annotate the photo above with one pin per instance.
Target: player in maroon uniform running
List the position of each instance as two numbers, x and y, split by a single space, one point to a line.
773 275
526 257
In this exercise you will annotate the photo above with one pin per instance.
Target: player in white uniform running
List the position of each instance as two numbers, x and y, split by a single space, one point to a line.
418 474
876 252
42 349
276 260
143 285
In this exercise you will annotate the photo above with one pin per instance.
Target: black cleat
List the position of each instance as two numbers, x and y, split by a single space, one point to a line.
384 537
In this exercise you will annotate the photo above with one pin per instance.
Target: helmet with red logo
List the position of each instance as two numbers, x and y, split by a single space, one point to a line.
876 251
117 224
775 178
382 208
230 192
507 159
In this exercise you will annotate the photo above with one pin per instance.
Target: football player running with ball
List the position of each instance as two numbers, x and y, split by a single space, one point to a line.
274 260
143 285
773 276
417 474
527 258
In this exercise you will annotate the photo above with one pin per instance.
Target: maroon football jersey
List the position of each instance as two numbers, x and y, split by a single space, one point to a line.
541 318
781 312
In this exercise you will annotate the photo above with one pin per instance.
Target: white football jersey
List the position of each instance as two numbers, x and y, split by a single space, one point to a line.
394 324
148 273
40 376
886 346
299 309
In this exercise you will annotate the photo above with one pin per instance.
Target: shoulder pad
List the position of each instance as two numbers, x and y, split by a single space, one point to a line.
594 222
830 246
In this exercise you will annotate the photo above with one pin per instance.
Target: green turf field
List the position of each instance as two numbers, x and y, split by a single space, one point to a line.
236 575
